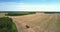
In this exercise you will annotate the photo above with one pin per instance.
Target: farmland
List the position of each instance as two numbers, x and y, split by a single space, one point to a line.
37 22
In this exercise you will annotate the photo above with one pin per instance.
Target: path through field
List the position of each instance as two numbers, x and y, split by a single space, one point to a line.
39 22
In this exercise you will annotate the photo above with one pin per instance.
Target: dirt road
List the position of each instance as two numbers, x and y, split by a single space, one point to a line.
39 22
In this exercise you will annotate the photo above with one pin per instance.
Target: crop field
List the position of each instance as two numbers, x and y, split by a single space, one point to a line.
2 14
39 22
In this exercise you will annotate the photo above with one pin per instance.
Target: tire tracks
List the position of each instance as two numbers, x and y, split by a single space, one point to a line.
42 23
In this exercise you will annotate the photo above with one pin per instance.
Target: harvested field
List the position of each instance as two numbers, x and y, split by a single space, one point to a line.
39 22
2 14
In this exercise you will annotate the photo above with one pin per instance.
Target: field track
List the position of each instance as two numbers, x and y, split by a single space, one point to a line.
39 22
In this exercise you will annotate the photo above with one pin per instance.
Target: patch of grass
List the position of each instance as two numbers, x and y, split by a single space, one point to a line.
58 23
7 25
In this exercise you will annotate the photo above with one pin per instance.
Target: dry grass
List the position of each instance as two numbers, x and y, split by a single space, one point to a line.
2 14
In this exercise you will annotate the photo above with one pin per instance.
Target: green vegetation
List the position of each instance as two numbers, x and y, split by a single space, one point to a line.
19 13
7 25
58 22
